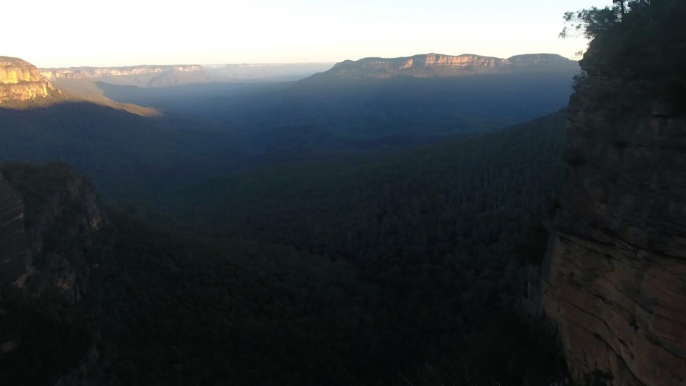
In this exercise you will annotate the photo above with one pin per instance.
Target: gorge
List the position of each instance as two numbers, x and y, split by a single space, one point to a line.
424 220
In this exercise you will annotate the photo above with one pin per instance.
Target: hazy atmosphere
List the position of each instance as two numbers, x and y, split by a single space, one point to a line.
132 32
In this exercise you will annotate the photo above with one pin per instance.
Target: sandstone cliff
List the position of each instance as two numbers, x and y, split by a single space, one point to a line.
99 72
616 283
614 279
437 65
14 256
21 81
139 76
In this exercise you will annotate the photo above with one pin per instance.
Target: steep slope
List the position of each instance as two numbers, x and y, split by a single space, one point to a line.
48 206
363 269
15 259
127 149
126 154
614 278
21 82
50 216
345 103
23 86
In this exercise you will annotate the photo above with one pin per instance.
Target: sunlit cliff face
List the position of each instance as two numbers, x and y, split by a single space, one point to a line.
21 81
98 72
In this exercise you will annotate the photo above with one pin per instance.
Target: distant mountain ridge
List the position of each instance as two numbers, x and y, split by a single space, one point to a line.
140 76
268 71
98 72
22 86
439 65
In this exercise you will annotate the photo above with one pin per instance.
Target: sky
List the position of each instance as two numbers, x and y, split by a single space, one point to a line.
64 33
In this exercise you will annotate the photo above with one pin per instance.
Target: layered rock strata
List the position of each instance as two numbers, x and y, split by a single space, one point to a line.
21 81
614 280
99 72
14 256
437 65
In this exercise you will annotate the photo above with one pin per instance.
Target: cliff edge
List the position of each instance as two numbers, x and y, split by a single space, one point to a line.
21 81
614 279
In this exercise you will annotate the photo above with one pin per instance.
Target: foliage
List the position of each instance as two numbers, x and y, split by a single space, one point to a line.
334 272
590 22
348 267
125 154
53 337
596 21
639 43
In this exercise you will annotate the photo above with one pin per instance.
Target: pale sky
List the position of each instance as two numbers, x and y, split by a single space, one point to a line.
57 33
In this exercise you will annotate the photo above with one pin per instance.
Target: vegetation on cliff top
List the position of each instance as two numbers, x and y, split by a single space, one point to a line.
638 41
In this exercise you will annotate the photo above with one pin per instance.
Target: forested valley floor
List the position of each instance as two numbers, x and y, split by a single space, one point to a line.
369 271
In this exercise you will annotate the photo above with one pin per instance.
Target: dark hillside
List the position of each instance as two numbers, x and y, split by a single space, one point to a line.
346 272
352 106
125 154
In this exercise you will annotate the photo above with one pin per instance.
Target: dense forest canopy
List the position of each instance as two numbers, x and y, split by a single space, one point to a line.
338 272
367 270
326 266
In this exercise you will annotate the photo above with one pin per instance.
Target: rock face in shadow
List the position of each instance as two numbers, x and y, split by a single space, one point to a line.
49 217
21 81
14 256
614 280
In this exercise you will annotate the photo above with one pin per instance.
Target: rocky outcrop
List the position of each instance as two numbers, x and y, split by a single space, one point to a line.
15 71
437 65
14 256
614 280
21 81
99 72
49 216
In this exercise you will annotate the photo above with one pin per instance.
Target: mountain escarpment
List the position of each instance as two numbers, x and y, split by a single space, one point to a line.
98 72
438 65
140 76
21 81
617 280
614 279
